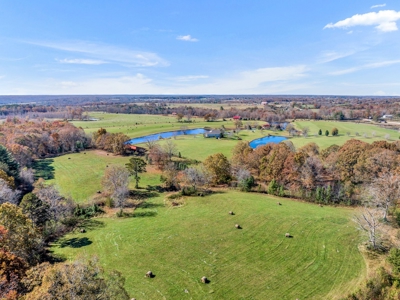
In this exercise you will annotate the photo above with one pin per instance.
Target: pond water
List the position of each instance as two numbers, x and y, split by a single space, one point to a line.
164 135
265 140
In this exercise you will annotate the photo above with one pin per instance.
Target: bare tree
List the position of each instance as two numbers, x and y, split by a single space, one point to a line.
170 177
305 130
7 194
385 192
59 207
151 143
170 148
115 182
368 222
197 177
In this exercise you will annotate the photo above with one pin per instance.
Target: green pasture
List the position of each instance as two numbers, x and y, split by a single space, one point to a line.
180 245
79 175
343 128
134 125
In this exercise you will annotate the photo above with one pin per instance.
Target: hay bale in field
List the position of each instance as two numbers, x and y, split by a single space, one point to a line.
83 230
287 235
231 213
204 280
279 203
238 226
149 274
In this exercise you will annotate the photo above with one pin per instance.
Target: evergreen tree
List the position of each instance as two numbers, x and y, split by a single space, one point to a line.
8 163
320 132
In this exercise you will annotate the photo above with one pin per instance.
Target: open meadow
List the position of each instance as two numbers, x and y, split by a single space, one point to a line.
180 245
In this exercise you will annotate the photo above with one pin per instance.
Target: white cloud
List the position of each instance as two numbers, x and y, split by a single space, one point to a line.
366 66
329 56
107 53
384 19
378 5
251 82
187 38
81 61
190 78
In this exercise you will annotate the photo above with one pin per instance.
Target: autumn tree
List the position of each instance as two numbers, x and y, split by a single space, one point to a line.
335 131
79 280
23 239
115 183
219 167
12 271
136 166
170 177
158 157
241 153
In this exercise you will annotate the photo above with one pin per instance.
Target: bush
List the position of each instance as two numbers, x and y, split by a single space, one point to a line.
394 259
335 131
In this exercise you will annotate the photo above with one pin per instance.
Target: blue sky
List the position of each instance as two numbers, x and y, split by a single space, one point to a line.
200 47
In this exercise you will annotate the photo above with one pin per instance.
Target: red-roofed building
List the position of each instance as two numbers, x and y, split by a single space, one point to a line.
236 118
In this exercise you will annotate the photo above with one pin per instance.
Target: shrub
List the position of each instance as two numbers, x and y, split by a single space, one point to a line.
335 131
394 259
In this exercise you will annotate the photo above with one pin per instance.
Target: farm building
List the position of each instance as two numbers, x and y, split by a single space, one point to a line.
135 150
215 133
236 118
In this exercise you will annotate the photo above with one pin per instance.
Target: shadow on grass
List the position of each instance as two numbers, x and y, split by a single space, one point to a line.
150 205
140 214
142 194
75 242
91 224
43 168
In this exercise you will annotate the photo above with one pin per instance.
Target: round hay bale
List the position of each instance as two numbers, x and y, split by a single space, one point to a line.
279 203
287 235
204 279
231 213
149 274
320 205
98 192
83 230
238 226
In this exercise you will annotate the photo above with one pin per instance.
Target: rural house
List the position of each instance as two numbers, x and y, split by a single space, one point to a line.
215 133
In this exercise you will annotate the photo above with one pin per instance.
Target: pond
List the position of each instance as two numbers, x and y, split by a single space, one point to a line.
165 135
265 140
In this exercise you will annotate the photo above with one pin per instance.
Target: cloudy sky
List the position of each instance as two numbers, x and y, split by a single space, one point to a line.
200 47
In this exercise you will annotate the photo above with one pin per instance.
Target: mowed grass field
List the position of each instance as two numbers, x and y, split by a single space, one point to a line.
343 127
79 174
180 245
139 125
